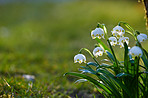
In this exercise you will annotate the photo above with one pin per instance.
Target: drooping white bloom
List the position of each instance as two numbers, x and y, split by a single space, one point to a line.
122 40
142 37
135 51
118 32
79 58
98 32
98 51
113 41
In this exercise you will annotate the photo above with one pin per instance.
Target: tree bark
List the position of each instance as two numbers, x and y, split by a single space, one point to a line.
145 2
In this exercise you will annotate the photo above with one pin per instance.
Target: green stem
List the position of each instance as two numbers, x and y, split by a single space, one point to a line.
137 70
130 28
117 66
90 55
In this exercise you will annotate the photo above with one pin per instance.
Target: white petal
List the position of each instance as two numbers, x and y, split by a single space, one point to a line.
98 32
113 41
136 51
144 35
79 58
140 38
98 51
118 31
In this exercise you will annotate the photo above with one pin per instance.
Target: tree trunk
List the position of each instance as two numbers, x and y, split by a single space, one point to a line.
146 12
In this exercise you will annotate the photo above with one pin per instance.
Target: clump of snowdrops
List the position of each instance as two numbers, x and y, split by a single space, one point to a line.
119 79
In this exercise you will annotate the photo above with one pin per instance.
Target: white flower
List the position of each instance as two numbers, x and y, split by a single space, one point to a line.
29 77
98 32
113 41
122 40
79 58
135 51
126 39
118 31
142 37
98 51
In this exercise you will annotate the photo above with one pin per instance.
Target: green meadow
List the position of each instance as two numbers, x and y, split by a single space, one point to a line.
41 39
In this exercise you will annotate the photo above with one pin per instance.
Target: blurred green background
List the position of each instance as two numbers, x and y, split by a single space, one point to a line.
41 38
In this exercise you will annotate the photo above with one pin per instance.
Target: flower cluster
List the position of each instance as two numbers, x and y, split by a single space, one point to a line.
114 76
118 32
117 38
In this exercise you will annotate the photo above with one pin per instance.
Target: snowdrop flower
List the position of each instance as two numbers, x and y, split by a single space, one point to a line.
142 37
135 51
113 41
98 51
98 32
79 58
118 32
122 40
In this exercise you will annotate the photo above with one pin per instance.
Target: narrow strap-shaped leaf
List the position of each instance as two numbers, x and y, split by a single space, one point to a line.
111 85
123 74
110 56
145 52
126 57
93 81
106 60
80 80
145 61
109 74
144 56
88 69
92 63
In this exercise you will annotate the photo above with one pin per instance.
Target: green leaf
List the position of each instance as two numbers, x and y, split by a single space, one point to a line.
145 52
145 61
108 74
88 70
105 65
112 85
126 57
92 63
80 80
122 74
93 81
110 56
106 60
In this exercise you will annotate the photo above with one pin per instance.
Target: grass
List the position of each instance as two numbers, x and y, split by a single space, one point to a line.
41 40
